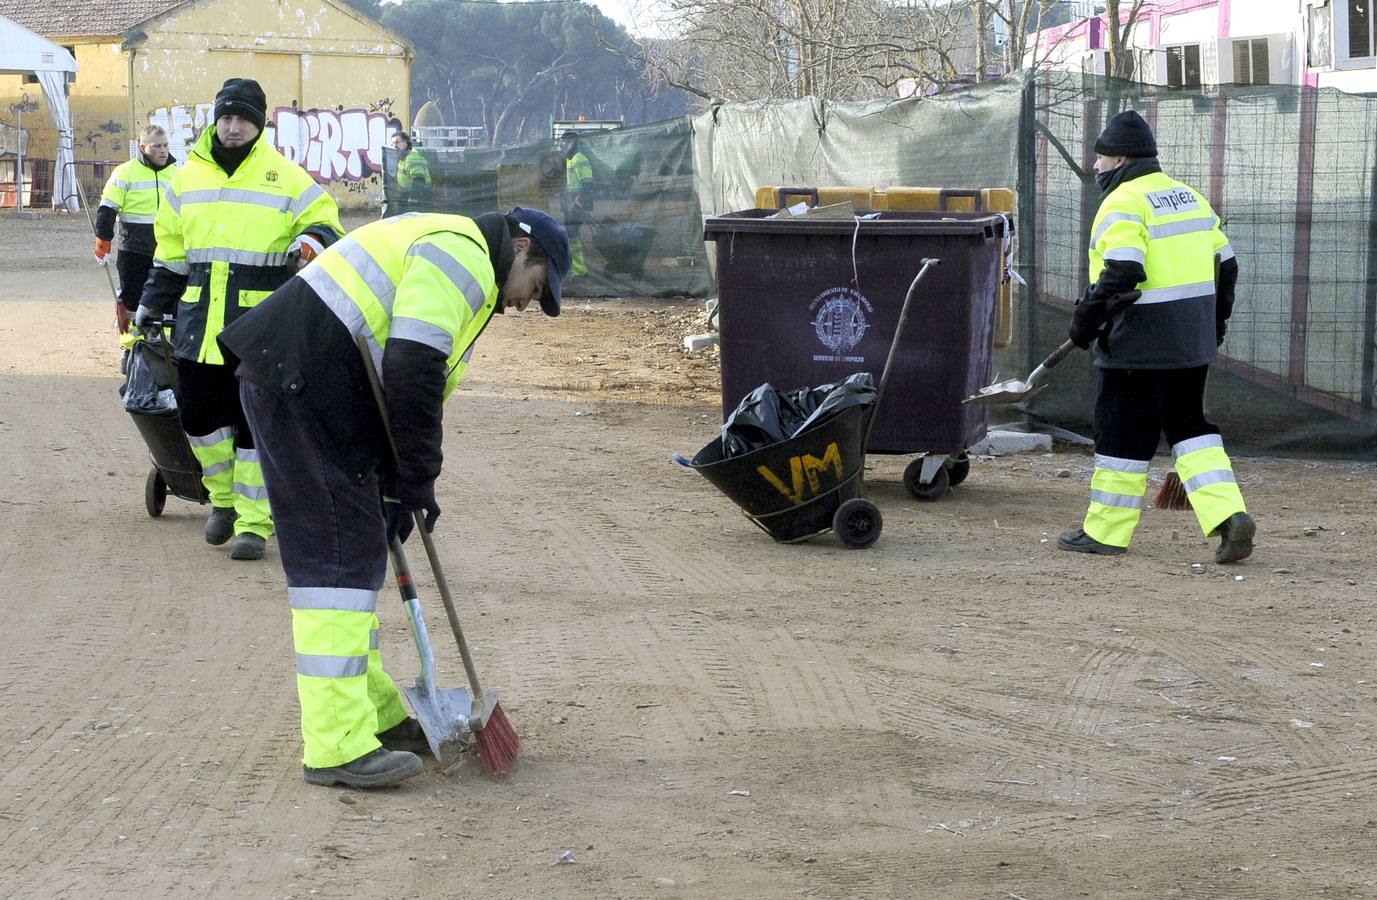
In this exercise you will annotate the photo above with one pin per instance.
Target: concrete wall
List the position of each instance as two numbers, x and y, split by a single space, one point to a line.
332 77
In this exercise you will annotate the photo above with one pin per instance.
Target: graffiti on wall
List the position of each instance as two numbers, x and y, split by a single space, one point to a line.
334 144
183 125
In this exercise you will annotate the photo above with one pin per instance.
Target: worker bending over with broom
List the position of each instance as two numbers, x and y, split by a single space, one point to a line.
418 289
1155 235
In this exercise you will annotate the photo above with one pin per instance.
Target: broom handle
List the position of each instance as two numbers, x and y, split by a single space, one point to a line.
86 205
434 558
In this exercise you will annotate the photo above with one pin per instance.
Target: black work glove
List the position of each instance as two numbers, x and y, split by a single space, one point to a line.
400 511
1094 318
1083 330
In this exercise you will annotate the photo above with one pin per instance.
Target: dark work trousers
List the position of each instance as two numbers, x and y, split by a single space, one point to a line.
133 269
330 530
1135 406
209 399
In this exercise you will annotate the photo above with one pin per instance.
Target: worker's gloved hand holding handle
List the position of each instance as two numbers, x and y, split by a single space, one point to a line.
400 510
1093 318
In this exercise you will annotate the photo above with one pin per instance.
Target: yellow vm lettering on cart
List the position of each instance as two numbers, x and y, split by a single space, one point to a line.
805 468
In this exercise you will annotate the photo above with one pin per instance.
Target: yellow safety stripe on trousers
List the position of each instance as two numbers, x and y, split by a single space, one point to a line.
215 453
335 663
1208 477
1116 500
248 474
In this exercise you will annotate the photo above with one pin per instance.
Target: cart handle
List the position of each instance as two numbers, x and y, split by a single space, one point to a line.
894 347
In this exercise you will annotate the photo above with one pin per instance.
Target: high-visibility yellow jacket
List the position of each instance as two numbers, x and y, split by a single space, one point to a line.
223 240
1168 229
134 192
418 289
413 170
577 170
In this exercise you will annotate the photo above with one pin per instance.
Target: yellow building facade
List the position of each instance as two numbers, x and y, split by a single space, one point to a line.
334 79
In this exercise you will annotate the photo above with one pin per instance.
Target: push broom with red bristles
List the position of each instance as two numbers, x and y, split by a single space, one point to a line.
1172 494
497 742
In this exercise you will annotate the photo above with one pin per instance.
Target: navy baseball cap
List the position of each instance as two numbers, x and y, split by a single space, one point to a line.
543 229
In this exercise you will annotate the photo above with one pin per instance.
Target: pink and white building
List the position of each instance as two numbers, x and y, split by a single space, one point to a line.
1318 43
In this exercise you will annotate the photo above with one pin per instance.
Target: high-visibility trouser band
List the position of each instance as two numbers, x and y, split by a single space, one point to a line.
345 694
1208 477
215 453
251 495
1116 503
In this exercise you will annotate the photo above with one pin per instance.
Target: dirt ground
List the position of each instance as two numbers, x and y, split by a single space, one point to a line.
960 711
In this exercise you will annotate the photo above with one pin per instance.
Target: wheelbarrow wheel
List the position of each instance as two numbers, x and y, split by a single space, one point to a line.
155 493
959 470
933 490
857 523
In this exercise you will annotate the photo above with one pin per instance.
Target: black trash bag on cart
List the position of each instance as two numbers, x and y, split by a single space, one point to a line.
150 378
767 415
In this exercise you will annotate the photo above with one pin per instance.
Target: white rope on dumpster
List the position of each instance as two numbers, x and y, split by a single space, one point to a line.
1009 270
855 236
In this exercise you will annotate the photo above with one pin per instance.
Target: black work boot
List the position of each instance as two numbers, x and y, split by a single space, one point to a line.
220 525
405 735
379 768
1079 542
1235 538
247 546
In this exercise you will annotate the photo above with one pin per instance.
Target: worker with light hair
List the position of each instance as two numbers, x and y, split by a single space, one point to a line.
134 194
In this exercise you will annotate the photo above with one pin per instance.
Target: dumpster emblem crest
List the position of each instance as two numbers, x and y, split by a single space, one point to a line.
840 320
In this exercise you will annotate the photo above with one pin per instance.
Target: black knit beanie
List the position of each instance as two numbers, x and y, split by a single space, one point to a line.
242 97
1126 135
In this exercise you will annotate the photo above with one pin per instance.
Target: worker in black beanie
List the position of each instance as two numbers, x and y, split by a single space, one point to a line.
242 97
1162 277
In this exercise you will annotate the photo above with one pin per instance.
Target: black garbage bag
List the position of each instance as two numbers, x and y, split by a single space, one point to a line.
767 415
148 388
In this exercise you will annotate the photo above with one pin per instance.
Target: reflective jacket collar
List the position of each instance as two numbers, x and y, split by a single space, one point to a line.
204 151
171 161
1134 168
500 250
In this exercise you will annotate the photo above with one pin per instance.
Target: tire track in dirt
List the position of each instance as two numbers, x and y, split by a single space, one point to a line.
1095 687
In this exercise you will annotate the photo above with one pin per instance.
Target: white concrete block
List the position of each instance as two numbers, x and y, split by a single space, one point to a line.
696 342
1002 443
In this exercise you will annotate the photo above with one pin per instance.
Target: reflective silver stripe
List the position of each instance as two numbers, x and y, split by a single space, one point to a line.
1225 253
1128 253
136 220
322 666
422 333
1180 292
467 354
210 440
372 274
1109 220
1119 464
309 196
279 202
1190 445
1124 501
373 639
173 199
238 257
1174 229
338 599
246 454
455 271
346 310
140 185
1217 476
180 268
120 183
252 492
106 201
211 471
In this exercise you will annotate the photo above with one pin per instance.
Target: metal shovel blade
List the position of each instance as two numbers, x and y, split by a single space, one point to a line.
1011 391
444 717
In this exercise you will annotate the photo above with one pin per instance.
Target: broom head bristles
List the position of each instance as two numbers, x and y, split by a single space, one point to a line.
1172 494
498 744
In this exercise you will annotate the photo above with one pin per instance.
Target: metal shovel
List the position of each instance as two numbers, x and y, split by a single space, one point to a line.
1013 390
443 712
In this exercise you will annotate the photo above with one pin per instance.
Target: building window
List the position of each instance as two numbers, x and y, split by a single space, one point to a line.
1360 37
1183 66
1250 62
71 76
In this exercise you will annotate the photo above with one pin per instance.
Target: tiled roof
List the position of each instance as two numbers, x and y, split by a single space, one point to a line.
79 18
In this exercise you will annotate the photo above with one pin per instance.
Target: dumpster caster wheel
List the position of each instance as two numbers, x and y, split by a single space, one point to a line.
155 493
959 470
858 522
934 489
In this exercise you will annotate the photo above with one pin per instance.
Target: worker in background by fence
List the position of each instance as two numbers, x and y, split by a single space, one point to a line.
418 291
238 221
134 193
1159 236
413 176
578 197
